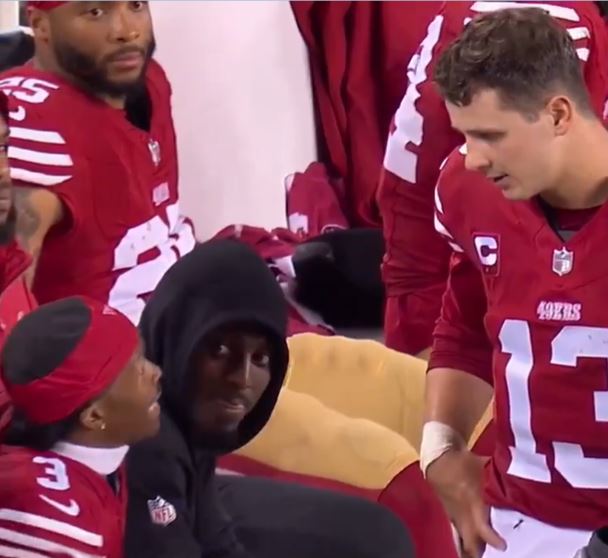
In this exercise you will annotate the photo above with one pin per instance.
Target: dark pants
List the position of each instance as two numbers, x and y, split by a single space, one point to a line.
282 520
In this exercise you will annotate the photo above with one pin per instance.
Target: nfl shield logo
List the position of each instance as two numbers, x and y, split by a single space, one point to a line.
563 261
161 511
154 148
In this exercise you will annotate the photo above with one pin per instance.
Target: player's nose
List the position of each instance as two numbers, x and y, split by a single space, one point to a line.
475 160
124 26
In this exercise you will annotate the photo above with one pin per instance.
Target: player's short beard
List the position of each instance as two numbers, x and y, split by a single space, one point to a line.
9 227
93 75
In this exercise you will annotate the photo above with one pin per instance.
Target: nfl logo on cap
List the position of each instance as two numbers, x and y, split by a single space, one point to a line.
161 512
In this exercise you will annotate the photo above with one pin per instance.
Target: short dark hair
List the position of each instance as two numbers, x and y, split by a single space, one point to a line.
522 53
41 437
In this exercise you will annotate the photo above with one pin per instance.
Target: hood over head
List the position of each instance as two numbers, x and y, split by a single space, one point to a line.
219 283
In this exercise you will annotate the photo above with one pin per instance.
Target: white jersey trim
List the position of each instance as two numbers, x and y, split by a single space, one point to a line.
37 178
51 525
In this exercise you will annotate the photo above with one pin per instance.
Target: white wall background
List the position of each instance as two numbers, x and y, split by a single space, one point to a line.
242 106
9 14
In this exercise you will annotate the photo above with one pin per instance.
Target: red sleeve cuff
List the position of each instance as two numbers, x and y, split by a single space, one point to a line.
468 357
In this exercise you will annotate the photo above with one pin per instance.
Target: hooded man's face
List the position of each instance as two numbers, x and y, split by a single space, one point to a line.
231 371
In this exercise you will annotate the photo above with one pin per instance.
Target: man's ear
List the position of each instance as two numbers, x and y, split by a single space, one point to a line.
39 23
561 111
93 417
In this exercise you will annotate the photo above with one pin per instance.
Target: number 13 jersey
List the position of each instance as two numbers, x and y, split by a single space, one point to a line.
526 311
117 183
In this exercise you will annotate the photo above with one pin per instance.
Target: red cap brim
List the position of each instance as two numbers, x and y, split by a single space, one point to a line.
44 5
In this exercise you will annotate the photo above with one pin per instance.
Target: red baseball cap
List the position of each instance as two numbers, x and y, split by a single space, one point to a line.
44 4
86 345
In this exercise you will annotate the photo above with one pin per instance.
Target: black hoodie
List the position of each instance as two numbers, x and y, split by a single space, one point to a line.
173 508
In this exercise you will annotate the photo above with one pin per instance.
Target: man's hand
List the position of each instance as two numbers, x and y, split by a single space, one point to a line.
456 477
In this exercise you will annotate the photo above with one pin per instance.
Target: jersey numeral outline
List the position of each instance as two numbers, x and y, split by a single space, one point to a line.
570 344
55 474
408 122
173 239
27 90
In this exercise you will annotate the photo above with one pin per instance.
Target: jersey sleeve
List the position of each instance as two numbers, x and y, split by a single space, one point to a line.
590 36
159 521
44 142
35 521
41 152
459 338
416 263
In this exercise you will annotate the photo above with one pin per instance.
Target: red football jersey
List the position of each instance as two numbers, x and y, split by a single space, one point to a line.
117 182
15 301
416 262
356 52
525 311
15 298
54 506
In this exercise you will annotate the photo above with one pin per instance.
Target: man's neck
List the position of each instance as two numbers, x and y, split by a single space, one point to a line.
584 183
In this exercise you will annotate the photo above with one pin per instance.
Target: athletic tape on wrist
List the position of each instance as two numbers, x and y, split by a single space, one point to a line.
437 439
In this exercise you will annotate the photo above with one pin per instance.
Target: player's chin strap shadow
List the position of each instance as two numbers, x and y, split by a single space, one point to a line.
16 48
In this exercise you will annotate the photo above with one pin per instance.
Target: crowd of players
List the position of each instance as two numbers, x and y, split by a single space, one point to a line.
505 115
89 186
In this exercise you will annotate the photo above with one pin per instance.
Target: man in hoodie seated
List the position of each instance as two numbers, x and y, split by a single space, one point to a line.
216 324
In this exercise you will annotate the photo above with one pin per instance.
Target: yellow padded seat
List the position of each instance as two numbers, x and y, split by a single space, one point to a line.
361 379
306 437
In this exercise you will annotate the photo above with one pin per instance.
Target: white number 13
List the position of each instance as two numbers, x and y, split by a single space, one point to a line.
571 343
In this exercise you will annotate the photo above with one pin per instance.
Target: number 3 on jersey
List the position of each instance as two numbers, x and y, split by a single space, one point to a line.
55 473
571 343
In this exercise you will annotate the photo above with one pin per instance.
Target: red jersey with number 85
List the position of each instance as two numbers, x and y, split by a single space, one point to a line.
526 311
117 183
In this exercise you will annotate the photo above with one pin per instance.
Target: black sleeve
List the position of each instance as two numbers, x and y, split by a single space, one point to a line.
216 526
160 524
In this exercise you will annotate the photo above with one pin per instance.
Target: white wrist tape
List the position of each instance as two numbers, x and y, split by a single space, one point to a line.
437 439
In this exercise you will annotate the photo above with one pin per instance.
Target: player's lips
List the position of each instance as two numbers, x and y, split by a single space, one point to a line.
502 180
127 60
235 408
154 407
